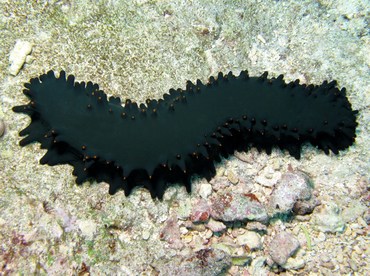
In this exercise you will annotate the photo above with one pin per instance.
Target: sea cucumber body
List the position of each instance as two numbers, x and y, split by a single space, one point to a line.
169 140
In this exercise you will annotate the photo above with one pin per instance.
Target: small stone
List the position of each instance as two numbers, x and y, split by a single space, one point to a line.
183 230
357 249
206 261
268 178
220 184
256 226
241 260
250 239
292 187
302 208
200 211
237 207
294 264
206 234
197 243
353 265
258 266
224 247
340 257
2 127
194 226
321 237
145 234
220 171
205 190
328 219
282 246
184 209
231 176
235 232
18 56
353 211
87 227
362 222
171 233
187 238
215 226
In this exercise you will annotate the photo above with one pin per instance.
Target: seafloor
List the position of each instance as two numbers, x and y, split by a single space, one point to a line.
140 49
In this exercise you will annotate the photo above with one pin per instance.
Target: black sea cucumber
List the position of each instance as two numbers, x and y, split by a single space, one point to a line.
170 139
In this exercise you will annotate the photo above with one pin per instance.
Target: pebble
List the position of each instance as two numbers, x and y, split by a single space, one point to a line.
282 246
241 260
328 219
18 56
250 239
205 190
220 184
206 234
87 227
224 247
294 264
237 207
340 257
187 238
194 226
183 230
231 176
292 187
268 178
2 127
145 234
256 226
353 211
302 208
171 233
321 237
184 210
200 211
215 226
258 266
353 265
207 261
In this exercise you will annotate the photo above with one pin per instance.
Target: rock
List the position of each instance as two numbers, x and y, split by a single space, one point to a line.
205 262
282 246
220 183
87 227
215 226
250 239
235 206
268 177
18 56
292 186
258 266
353 211
184 209
294 264
171 233
2 127
302 208
205 190
200 211
232 177
227 248
328 219
145 234
256 226
241 260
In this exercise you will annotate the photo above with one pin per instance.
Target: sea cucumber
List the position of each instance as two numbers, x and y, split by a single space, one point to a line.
168 140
